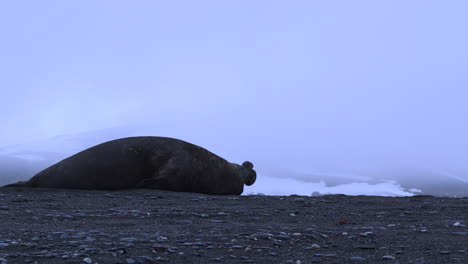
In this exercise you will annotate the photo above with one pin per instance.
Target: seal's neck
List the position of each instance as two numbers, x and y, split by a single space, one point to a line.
240 170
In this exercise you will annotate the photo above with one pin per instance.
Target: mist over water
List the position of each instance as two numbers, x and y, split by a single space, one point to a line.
364 95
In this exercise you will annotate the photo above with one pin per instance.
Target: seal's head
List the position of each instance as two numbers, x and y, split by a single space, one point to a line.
249 173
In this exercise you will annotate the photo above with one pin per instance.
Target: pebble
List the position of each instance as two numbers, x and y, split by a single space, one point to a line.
357 259
237 247
460 233
88 260
365 247
313 246
366 234
262 235
130 261
184 222
282 236
388 257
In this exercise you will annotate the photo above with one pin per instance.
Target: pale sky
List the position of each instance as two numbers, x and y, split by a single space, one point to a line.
346 83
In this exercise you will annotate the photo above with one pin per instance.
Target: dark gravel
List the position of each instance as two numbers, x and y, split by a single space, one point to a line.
148 226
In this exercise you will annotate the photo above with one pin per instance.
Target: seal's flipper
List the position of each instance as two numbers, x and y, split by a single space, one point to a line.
19 184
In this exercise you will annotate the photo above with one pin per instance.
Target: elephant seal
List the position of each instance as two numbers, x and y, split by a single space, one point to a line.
146 162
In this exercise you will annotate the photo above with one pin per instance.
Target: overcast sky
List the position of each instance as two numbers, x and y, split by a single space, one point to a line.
345 83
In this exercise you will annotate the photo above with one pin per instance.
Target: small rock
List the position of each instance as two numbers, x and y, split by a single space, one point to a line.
90 239
163 248
184 222
365 247
460 233
366 234
357 259
282 236
262 235
144 259
388 257
313 246
161 239
130 261
88 260
237 247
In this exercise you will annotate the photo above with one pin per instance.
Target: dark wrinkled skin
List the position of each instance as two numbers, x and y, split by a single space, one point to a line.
146 162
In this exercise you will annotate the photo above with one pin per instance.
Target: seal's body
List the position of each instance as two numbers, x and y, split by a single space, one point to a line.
146 162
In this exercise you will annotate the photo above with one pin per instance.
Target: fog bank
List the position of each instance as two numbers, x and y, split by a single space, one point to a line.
367 90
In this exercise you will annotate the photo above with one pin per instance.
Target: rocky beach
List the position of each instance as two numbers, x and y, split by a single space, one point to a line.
150 226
